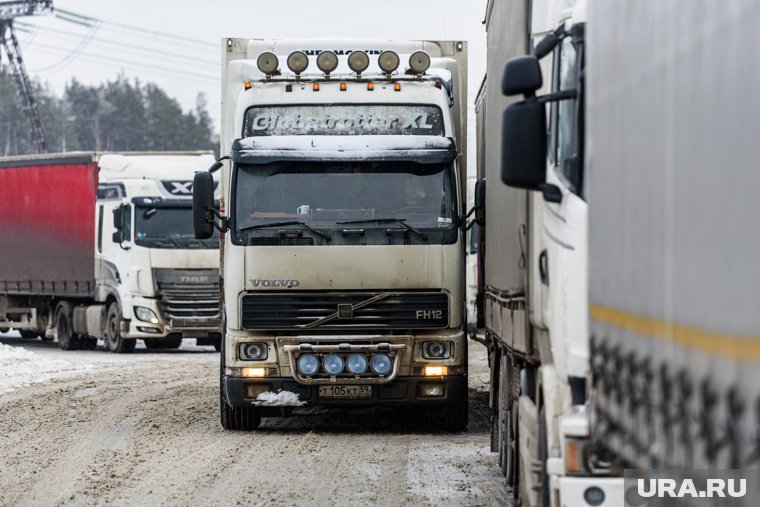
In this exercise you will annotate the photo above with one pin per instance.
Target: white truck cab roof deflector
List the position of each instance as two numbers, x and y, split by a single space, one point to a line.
420 149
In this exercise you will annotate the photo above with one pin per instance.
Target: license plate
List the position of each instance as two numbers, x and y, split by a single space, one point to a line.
345 391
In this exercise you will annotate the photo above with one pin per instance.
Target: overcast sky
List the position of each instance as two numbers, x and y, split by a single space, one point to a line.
175 43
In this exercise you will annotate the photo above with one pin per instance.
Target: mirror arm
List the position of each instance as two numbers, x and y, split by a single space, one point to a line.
558 96
469 213
218 164
551 192
212 214
469 226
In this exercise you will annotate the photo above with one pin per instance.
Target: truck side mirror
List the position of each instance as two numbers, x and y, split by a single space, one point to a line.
203 205
480 202
523 145
118 224
521 76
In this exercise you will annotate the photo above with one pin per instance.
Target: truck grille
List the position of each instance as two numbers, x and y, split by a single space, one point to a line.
189 304
354 311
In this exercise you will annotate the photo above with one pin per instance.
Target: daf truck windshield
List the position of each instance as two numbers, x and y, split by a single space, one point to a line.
168 227
353 202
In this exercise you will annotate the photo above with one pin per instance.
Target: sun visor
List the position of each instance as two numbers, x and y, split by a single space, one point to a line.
420 149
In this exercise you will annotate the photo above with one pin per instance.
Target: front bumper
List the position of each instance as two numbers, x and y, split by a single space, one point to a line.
401 391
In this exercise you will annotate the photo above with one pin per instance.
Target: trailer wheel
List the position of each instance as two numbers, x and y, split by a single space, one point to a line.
67 340
114 341
510 447
543 454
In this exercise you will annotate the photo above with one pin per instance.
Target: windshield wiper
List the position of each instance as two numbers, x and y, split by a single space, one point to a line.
400 221
302 225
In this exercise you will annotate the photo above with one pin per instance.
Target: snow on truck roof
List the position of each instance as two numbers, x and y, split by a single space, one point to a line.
154 165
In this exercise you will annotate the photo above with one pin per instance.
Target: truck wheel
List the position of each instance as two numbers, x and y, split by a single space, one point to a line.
455 416
114 341
510 447
67 340
237 418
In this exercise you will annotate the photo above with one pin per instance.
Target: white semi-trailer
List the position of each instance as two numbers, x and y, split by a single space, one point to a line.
642 336
101 246
342 209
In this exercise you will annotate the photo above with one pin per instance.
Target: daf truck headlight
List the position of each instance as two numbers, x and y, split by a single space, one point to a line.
146 314
332 364
267 63
356 364
253 351
419 62
298 62
380 364
388 61
327 61
358 61
436 350
308 364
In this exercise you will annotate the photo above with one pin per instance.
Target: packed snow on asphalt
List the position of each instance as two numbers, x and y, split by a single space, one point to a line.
91 427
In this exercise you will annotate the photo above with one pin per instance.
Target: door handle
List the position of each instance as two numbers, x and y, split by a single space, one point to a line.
543 266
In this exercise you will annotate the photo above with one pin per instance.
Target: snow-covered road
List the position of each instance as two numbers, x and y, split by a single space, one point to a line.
90 427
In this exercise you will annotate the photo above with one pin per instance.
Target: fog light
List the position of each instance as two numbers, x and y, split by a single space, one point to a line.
430 390
254 372
388 61
298 62
358 61
254 390
308 364
435 371
380 364
356 364
332 364
327 61
436 350
594 496
253 351
151 330
267 62
419 62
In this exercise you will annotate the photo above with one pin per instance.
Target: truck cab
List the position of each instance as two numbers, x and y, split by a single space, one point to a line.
342 203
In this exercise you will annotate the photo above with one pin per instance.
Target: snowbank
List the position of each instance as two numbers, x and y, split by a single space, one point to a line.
20 367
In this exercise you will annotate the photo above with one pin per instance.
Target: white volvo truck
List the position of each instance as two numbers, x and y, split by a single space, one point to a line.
342 207
101 246
645 294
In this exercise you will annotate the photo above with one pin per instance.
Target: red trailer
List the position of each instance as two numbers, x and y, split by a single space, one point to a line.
47 225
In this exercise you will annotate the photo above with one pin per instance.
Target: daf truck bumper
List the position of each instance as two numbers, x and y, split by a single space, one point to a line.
243 392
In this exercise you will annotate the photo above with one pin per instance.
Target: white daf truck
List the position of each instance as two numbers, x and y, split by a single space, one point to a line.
100 246
637 344
342 205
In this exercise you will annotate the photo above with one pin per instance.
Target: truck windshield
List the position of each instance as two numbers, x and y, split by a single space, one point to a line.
326 195
168 227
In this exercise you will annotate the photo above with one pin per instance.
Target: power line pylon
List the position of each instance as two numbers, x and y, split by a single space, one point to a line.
9 10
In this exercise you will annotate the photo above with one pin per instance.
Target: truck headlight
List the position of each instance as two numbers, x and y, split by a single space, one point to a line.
146 314
436 350
253 351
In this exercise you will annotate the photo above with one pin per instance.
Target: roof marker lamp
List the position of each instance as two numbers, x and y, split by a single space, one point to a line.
327 61
298 62
388 62
267 63
419 62
358 61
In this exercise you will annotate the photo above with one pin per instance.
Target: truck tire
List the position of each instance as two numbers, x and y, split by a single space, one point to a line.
170 342
113 339
237 418
67 340
543 454
455 416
